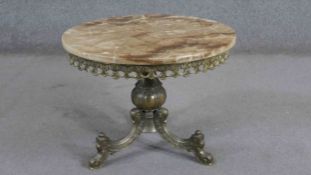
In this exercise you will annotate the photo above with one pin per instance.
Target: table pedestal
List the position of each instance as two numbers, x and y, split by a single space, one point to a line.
148 96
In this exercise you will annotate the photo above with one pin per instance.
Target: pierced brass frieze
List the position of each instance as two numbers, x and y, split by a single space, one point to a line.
164 71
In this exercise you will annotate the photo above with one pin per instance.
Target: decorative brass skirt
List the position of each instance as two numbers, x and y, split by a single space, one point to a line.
162 71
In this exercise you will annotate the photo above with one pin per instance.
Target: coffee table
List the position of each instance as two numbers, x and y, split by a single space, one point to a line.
149 48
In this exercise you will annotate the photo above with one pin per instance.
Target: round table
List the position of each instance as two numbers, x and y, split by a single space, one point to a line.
148 48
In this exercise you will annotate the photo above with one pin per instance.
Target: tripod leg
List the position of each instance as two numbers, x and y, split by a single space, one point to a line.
105 146
193 144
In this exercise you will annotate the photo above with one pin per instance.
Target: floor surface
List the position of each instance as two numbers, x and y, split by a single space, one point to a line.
255 111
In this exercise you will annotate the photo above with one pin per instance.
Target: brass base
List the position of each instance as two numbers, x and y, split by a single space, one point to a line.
148 96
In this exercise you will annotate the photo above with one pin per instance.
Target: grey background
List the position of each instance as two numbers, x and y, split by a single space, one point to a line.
268 26
254 110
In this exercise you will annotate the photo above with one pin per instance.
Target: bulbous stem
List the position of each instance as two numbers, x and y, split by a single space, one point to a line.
148 94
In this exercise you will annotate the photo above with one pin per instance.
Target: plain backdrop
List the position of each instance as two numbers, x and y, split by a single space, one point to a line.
268 26
254 110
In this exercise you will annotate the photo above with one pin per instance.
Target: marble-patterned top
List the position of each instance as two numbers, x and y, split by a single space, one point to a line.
152 39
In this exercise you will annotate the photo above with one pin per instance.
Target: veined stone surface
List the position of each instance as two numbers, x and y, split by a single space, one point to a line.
150 39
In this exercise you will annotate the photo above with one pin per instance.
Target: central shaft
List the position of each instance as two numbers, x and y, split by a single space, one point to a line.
148 95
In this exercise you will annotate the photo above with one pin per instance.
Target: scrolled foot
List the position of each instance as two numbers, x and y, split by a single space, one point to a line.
98 160
204 157
102 146
197 147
